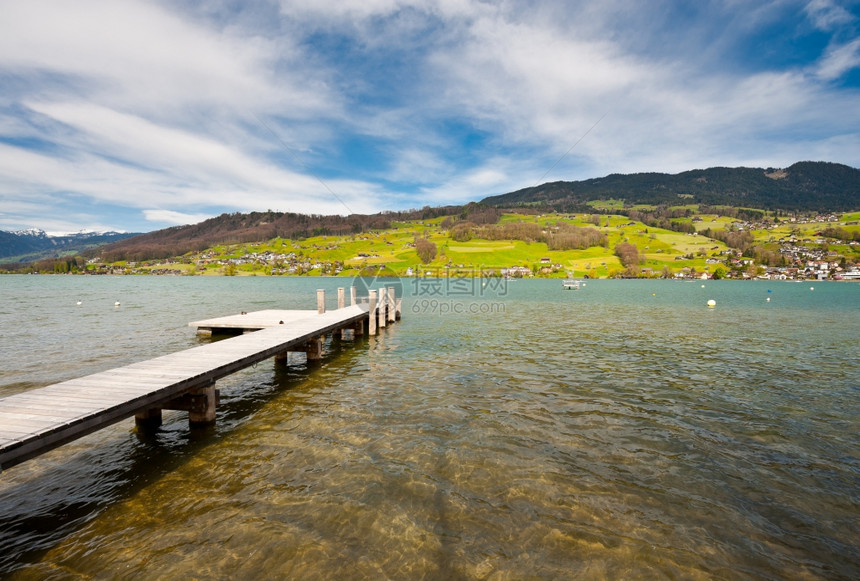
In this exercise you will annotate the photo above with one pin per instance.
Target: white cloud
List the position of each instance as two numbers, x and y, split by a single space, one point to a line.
129 53
827 15
496 175
339 12
839 61
172 217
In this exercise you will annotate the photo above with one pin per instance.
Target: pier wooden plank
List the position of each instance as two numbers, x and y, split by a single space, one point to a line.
254 320
35 421
12 436
23 420
42 411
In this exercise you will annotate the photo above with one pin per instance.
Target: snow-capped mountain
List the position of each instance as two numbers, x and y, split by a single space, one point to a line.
30 232
35 244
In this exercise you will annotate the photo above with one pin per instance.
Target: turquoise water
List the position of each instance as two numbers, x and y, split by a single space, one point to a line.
507 431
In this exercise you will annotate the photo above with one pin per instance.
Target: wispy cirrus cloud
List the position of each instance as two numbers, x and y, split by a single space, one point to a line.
828 15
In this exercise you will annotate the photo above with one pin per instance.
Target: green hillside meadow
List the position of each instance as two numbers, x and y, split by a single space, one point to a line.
661 252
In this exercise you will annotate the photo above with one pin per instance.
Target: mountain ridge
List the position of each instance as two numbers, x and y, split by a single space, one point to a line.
803 186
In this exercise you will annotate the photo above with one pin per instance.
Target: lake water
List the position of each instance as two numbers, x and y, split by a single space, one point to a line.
507 431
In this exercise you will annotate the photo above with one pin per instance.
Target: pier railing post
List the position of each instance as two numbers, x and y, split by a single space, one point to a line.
383 307
392 308
341 303
371 314
320 301
352 296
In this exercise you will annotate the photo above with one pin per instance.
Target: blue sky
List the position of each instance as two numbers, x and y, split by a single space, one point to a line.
131 115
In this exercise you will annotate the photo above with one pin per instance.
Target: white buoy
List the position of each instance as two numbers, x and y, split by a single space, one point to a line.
712 303
116 304
79 303
812 288
703 286
768 299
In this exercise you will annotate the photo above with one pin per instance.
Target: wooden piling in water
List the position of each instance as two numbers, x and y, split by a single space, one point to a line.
205 413
341 303
314 349
391 305
320 301
148 419
383 306
372 314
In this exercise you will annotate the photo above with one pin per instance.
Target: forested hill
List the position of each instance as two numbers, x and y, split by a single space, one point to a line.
805 186
252 227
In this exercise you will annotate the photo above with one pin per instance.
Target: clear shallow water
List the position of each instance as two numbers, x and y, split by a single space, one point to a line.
621 431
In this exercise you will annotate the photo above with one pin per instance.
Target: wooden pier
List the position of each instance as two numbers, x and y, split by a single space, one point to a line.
39 420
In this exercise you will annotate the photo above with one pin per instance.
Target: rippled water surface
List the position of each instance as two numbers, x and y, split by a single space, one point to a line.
621 431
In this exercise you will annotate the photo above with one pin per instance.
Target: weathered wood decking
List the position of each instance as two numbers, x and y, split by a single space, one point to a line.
36 421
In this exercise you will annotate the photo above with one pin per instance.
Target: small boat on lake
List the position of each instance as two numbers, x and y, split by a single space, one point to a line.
570 284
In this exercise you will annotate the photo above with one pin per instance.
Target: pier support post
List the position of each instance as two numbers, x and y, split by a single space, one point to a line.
398 310
148 418
314 349
320 301
371 314
358 329
391 305
206 414
352 296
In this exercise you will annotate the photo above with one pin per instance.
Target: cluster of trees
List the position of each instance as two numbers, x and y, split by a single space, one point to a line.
740 240
841 234
570 237
473 214
426 250
665 218
767 257
628 254
562 236
63 265
745 214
